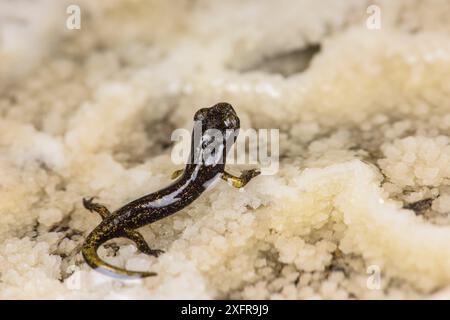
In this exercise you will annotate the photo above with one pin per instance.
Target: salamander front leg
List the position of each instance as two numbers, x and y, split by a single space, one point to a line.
176 174
141 244
243 179
92 206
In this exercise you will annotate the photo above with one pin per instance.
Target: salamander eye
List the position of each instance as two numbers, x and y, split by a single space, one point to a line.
206 139
200 115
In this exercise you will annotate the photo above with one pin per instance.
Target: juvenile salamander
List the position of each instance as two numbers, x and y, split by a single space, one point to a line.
206 164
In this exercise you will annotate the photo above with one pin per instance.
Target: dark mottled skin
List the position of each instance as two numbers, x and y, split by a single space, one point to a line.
202 170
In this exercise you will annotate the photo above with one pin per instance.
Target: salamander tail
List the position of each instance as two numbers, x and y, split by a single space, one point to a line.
89 250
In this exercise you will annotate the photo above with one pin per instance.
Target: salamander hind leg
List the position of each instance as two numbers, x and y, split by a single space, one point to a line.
89 250
141 244
243 179
92 206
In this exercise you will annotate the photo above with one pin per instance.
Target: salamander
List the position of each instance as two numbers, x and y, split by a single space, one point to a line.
217 130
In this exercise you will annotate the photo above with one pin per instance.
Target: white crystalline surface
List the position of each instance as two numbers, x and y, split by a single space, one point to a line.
358 209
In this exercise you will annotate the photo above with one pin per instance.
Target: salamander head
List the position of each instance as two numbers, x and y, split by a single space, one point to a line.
220 116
